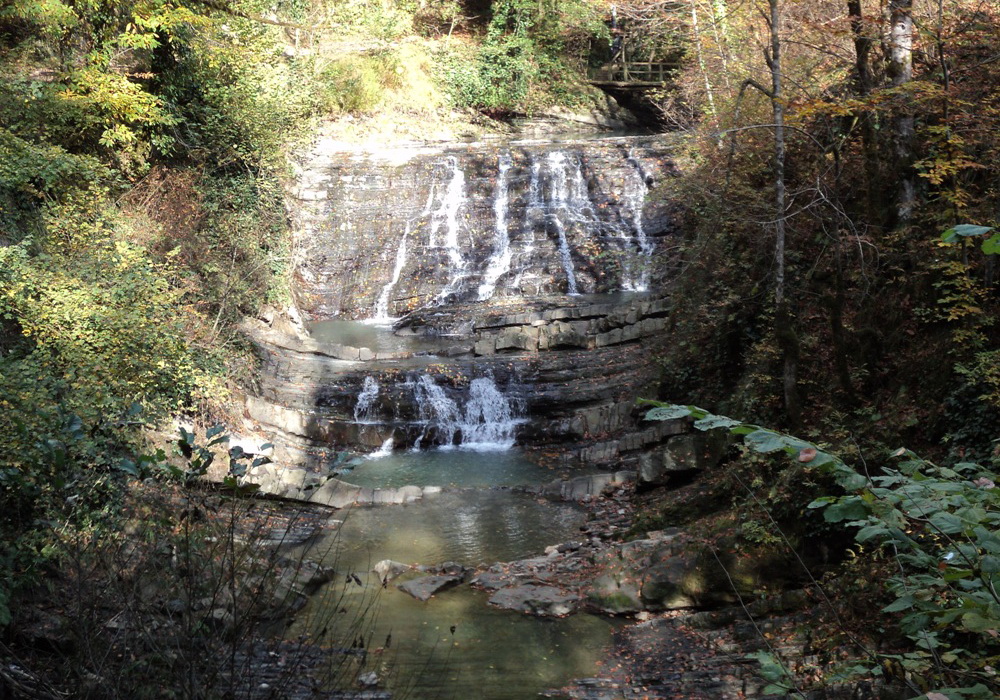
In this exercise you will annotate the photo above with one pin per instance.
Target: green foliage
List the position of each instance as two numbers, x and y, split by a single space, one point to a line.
939 524
102 326
523 62
357 84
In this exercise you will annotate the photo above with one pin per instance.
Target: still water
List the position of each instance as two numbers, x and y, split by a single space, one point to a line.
455 645
450 467
376 337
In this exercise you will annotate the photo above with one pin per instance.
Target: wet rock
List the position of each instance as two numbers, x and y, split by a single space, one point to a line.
387 569
448 568
426 586
583 486
543 601
494 579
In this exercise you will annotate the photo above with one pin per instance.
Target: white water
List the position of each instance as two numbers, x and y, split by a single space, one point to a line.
488 421
634 193
364 409
499 262
447 215
536 208
385 450
382 304
534 213
436 409
560 212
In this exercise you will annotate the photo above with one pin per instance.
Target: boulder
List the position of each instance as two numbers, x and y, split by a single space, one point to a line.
426 586
387 569
682 454
543 601
609 594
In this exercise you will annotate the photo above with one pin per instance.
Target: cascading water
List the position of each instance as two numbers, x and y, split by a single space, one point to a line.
527 218
382 304
560 213
447 216
499 262
534 214
634 194
489 417
364 408
435 409
488 421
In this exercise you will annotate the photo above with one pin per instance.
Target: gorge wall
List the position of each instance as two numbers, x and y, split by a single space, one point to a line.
381 234
523 283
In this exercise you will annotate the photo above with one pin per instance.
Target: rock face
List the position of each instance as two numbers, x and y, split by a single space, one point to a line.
384 233
570 371
527 273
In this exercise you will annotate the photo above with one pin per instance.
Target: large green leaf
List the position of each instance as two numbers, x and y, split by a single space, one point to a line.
668 412
991 245
964 230
767 441
851 508
710 422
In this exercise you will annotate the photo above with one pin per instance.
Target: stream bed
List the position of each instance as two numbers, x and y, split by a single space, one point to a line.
454 645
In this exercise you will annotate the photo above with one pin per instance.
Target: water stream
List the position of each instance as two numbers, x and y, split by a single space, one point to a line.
381 314
559 203
448 216
455 645
506 224
499 262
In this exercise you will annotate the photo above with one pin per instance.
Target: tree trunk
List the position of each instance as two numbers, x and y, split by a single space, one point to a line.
864 82
701 64
784 321
900 47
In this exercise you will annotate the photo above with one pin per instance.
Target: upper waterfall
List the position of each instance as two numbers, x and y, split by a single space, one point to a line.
499 262
473 223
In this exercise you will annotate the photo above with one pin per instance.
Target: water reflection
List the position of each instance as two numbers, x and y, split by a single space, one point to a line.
450 467
470 527
455 645
379 338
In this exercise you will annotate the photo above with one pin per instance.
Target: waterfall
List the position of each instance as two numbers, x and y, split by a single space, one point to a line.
447 216
559 209
489 419
436 409
364 409
487 423
536 208
533 213
382 304
634 193
499 262
385 450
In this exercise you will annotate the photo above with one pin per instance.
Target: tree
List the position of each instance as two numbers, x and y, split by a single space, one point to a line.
900 69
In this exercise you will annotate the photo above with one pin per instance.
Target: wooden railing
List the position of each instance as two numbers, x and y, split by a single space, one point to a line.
634 72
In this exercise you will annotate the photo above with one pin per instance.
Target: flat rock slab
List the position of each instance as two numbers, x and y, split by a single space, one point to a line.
424 587
545 601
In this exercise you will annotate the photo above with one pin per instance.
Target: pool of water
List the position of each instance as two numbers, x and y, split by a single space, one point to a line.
454 645
450 467
470 527
376 337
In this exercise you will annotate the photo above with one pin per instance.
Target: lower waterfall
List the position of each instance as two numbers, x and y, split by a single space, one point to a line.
488 421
